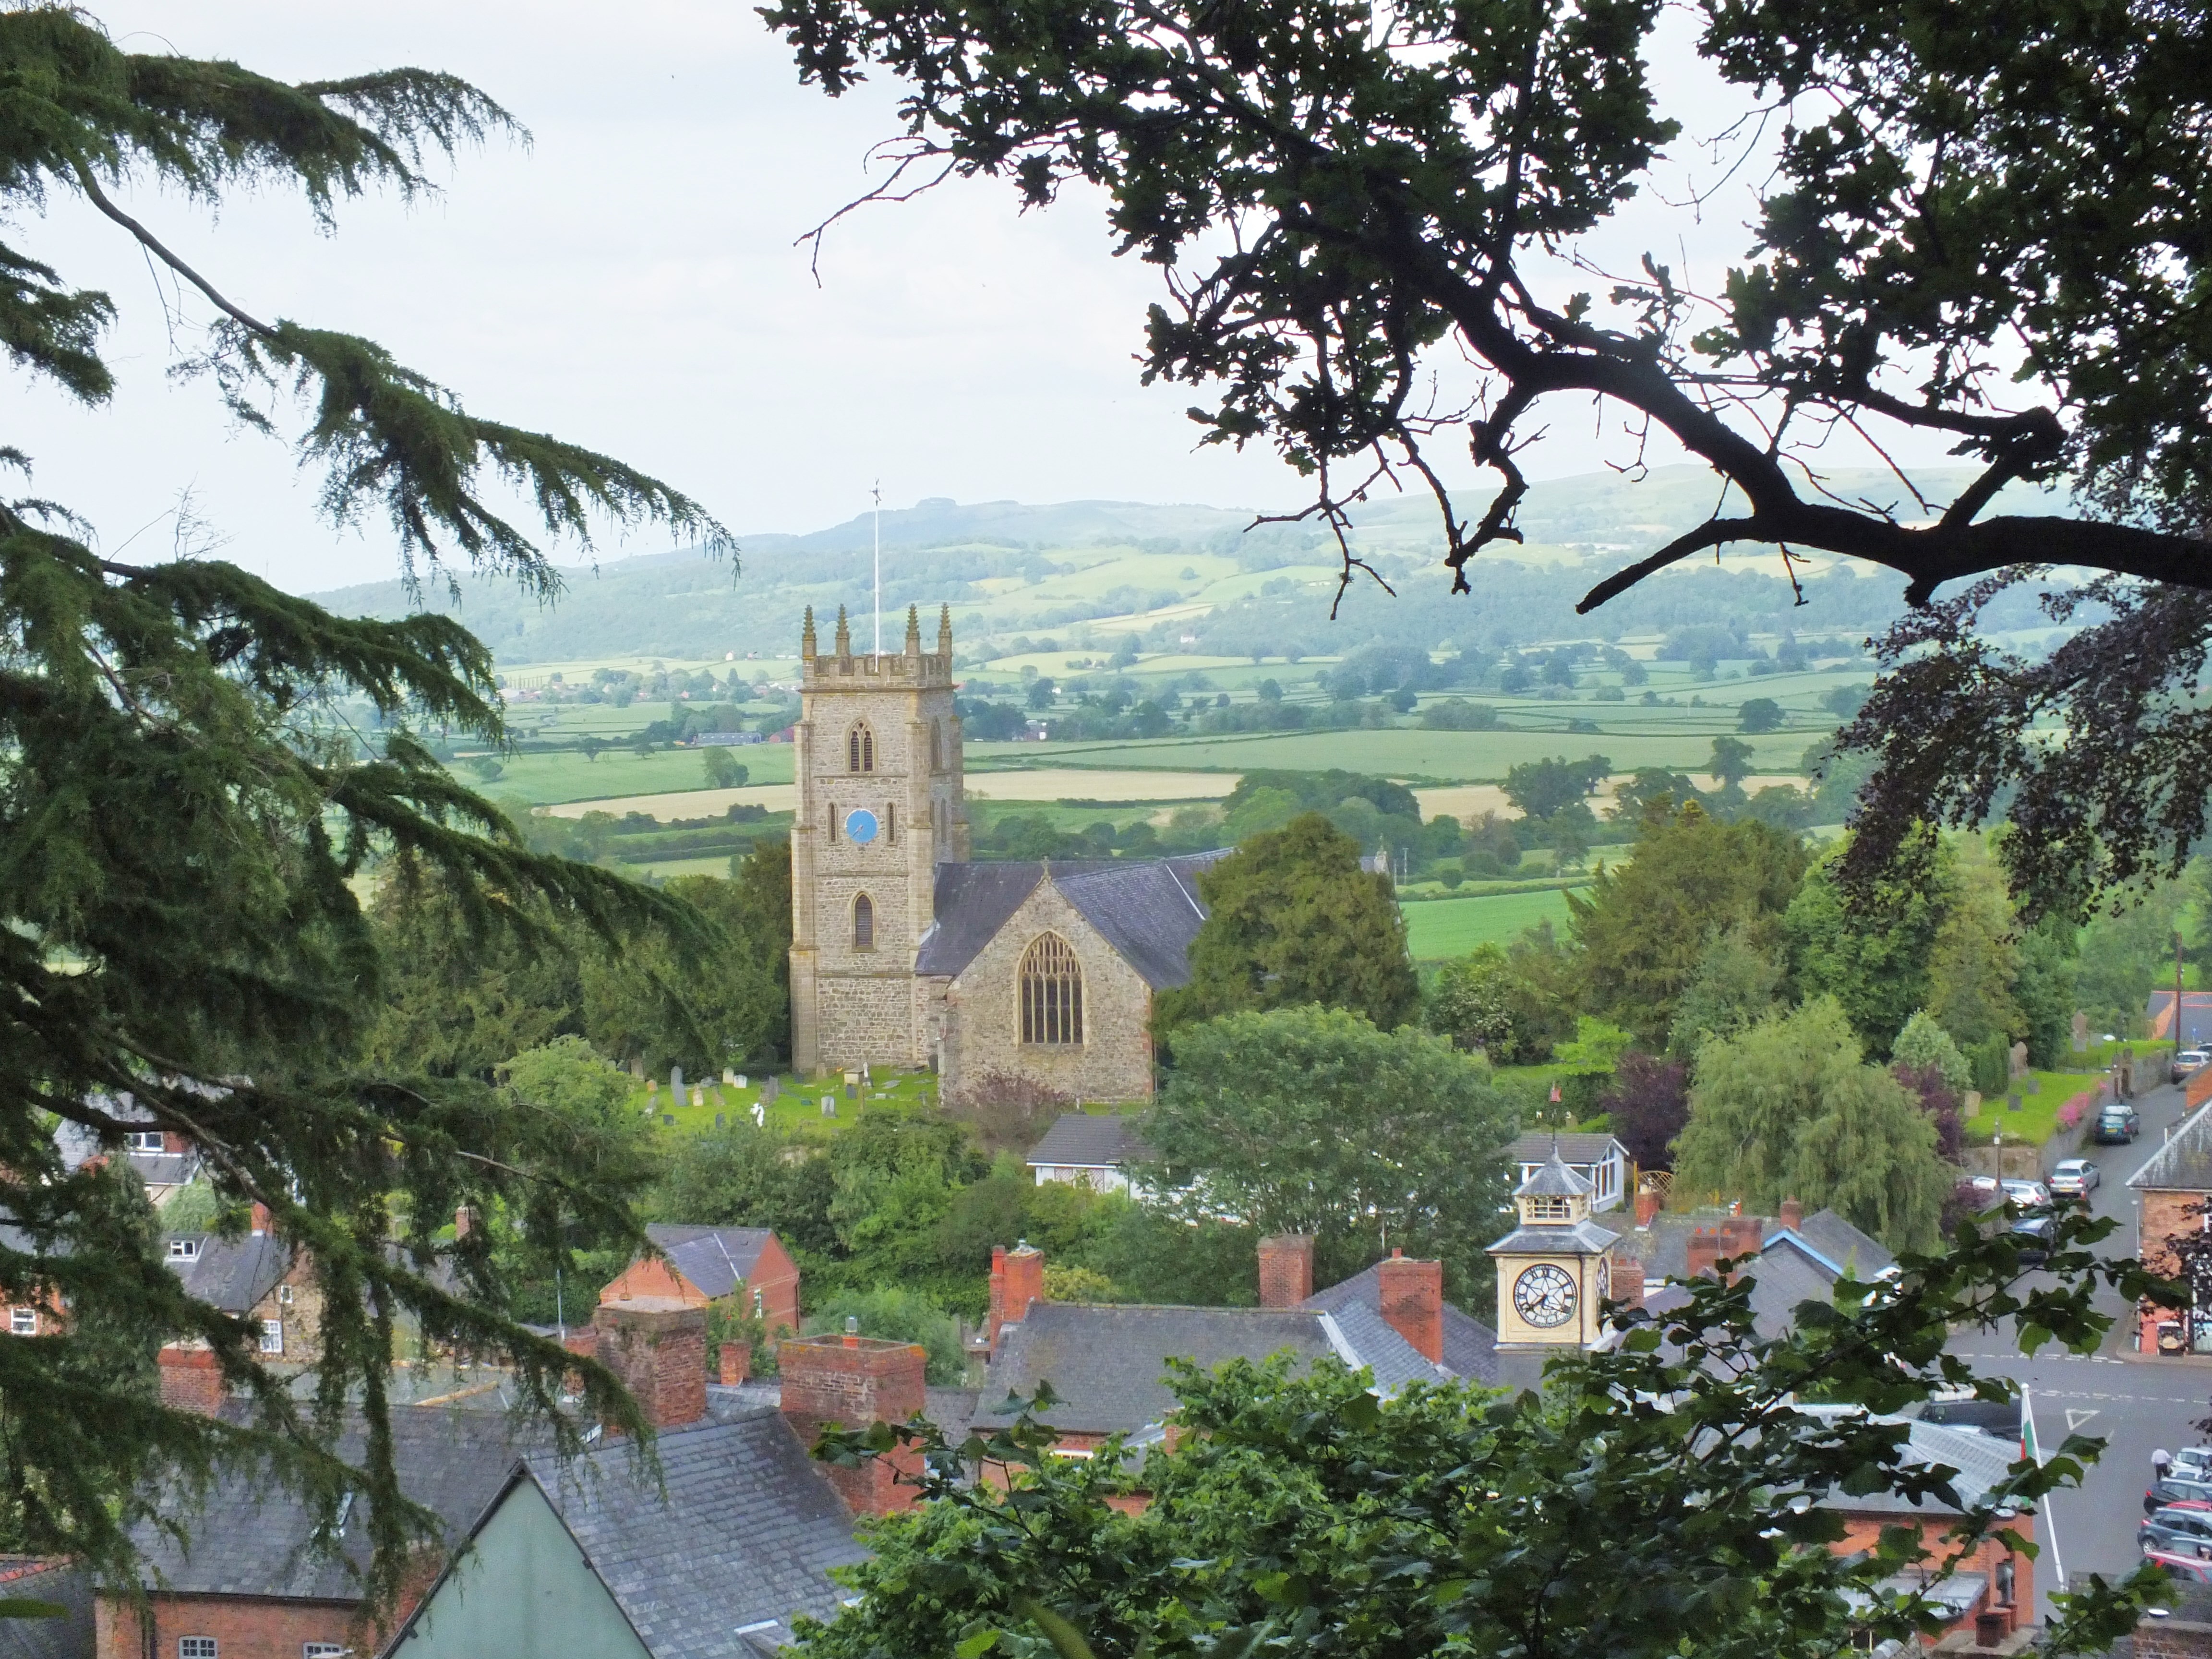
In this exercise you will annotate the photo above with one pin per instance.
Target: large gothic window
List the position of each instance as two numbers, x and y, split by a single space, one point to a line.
864 924
860 749
1051 993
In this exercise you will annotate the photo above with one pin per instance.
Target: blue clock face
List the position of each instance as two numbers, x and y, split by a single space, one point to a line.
860 827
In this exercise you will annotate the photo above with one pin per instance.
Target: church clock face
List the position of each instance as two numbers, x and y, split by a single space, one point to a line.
861 826
1544 1296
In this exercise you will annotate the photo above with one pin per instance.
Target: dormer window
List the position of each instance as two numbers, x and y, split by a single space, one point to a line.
143 1140
184 1249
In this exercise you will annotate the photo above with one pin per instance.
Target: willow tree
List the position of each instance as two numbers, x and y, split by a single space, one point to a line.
1975 223
182 819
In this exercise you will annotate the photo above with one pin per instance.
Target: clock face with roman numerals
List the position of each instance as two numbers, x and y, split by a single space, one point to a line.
1544 1296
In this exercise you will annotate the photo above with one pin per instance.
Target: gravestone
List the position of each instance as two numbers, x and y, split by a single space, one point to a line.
2080 1032
676 1083
2031 1084
828 1105
737 1082
718 1120
1973 1103
698 1095
637 1066
771 1090
2019 1059
852 1091
2012 1103
730 1079
651 1087
668 1118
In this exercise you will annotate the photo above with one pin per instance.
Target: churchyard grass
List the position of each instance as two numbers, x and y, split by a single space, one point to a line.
2037 1120
797 1108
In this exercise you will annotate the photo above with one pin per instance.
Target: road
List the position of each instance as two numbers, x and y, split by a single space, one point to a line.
2136 1404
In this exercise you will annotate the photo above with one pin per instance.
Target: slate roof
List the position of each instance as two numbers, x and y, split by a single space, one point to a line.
252 1537
47 1578
1148 909
1091 1141
1663 1246
1470 1346
1553 1179
1585 1237
2183 1164
1982 1462
1861 1255
231 1274
715 1259
1108 1364
79 1141
1577 1148
744 1533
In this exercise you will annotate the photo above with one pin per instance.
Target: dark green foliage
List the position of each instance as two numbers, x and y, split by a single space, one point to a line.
1541 789
1646 926
1873 962
183 824
1292 919
1311 1121
1642 1507
1759 714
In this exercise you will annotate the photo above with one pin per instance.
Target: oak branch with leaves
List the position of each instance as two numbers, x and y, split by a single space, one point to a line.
1973 222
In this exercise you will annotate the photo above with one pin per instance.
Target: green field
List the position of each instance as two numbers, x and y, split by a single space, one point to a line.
1443 928
545 779
1439 756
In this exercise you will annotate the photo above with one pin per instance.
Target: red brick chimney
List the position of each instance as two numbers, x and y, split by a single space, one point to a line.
658 1346
850 1382
1412 1297
1017 1280
1792 1215
737 1362
1647 1208
191 1380
1627 1281
260 1219
1700 1251
1286 1269
1742 1235
464 1220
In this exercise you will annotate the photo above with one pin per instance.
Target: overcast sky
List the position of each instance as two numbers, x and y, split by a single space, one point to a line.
629 280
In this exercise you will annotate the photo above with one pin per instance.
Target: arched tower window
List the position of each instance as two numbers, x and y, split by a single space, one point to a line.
864 923
860 749
1051 993
936 746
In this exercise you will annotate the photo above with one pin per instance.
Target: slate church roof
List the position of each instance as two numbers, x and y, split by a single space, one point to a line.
740 1539
1148 909
715 1259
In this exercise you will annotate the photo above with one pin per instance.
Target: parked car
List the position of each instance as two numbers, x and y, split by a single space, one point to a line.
2194 1487
2187 1062
2075 1178
2033 1233
2177 1530
2191 1463
2189 1569
2117 1125
2026 1194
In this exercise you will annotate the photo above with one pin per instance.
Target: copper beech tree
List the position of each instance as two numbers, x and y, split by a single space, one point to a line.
1977 223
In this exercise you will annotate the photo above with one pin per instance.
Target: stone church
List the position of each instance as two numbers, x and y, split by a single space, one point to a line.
905 953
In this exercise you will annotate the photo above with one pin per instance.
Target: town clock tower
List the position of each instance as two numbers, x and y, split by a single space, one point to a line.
1555 1270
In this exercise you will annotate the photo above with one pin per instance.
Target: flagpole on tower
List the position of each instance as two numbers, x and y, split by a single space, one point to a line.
877 492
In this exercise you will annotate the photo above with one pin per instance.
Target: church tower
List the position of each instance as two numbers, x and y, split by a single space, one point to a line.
880 805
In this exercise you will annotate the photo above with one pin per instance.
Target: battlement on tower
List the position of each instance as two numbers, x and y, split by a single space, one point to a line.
913 669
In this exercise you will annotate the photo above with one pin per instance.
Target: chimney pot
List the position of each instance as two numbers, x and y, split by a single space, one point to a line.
260 1219
191 1380
464 1220
1647 1208
1286 1269
1411 1295
1627 1281
1017 1280
1792 1215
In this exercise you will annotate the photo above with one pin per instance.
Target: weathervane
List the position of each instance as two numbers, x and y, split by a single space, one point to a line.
877 492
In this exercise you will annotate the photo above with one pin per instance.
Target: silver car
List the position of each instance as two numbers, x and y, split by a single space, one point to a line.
2077 1178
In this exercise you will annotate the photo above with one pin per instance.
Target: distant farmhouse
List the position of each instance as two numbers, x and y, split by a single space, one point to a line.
903 953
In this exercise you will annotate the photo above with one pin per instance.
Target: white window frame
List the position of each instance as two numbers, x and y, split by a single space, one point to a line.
272 1336
199 1647
184 1249
324 1650
22 1322
145 1140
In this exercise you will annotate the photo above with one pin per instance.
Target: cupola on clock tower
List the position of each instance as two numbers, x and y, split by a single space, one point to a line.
1555 1270
880 805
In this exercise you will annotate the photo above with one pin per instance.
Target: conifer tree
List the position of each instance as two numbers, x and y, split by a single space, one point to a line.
186 822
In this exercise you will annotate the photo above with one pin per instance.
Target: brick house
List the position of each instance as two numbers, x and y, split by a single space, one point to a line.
259 1581
745 1270
1109 1362
597 1560
2175 1188
259 1276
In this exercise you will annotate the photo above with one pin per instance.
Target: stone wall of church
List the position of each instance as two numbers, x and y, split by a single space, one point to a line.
869 1019
982 1013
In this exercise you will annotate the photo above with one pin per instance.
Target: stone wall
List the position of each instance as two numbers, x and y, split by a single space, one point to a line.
983 1015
